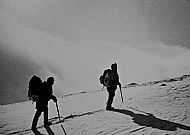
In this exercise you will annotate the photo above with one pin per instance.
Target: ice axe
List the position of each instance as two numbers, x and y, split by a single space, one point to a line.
60 118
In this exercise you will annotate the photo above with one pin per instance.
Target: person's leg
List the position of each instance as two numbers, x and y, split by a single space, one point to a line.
110 99
46 117
35 119
111 95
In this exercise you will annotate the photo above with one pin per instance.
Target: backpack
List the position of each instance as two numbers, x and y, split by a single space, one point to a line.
108 78
35 84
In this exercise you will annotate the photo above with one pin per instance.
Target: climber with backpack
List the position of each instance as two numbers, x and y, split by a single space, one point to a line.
42 92
110 79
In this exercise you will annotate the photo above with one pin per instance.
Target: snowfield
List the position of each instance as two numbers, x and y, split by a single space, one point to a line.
154 108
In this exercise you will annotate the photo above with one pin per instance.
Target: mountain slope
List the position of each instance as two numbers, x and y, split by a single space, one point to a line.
162 108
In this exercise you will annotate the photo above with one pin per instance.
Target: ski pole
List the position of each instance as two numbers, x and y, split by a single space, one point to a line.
121 93
60 118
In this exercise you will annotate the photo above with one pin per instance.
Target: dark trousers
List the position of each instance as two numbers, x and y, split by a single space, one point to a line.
37 115
111 94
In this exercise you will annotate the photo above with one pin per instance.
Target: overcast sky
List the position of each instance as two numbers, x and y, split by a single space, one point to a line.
75 40
141 23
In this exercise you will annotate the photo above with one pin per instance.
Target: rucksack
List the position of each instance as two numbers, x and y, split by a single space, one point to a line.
108 78
35 85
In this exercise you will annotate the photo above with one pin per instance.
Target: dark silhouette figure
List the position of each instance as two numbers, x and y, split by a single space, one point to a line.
111 88
45 94
150 120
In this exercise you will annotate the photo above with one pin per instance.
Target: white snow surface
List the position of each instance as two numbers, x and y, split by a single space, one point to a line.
161 108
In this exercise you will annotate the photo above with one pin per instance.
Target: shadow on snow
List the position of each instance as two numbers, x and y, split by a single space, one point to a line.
150 120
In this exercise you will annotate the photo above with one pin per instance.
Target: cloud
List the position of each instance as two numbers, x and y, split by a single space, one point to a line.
16 64
168 21
130 22
15 72
82 20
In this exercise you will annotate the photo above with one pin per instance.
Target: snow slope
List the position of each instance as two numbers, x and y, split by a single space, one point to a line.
156 108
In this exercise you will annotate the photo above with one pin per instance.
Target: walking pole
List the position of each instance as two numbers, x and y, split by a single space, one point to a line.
60 118
121 93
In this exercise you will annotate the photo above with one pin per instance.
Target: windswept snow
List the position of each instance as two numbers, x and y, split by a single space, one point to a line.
154 109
